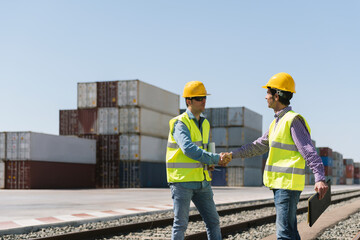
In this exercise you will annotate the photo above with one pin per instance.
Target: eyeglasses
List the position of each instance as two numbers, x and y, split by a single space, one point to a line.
199 99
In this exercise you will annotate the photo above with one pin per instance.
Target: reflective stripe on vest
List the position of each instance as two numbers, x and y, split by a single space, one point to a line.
186 165
198 143
277 169
284 146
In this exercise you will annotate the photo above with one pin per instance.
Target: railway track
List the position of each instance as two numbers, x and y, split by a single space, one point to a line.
166 223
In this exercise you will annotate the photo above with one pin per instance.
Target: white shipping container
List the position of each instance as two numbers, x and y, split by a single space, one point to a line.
2 145
108 121
144 121
233 136
235 116
49 148
138 93
2 174
142 147
87 95
235 176
349 181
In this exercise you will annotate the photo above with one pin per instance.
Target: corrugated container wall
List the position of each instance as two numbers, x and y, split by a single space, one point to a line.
69 122
144 121
49 148
235 176
87 121
138 93
40 175
233 136
107 93
2 174
107 174
142 147
108 121
87 95
2 145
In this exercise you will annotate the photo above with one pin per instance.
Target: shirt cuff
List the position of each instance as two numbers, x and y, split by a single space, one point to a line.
319 178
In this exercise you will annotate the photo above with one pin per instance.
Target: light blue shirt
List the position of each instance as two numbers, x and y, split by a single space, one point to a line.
182 137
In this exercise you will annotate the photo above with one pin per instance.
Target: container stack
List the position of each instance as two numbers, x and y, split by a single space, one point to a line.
338 168
326 155
32 160
357 172
349 169
130 122
232 127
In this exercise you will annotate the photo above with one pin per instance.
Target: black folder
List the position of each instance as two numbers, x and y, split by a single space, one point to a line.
316 207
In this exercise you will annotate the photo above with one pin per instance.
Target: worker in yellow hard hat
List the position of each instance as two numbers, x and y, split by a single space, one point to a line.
188 162
290 147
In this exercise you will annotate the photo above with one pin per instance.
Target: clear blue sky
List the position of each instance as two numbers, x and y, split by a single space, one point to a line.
234 47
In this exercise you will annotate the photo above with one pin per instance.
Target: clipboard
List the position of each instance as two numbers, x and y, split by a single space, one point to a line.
316 207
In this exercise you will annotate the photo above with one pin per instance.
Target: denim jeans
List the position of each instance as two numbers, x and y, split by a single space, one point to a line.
286 205
204 202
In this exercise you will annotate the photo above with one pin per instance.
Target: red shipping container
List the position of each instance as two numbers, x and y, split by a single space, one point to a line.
68 122
328 170
108 148
349 171
107 94
87 121
325 152
48 175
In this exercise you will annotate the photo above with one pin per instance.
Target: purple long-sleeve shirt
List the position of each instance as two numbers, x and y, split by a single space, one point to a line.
302 140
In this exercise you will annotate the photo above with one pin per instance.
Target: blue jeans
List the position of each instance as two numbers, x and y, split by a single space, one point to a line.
204 202
286 205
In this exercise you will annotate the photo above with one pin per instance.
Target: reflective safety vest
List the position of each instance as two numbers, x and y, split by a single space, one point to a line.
285 167
179 167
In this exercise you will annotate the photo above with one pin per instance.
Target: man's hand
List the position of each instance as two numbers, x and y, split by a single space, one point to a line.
321 188
225 158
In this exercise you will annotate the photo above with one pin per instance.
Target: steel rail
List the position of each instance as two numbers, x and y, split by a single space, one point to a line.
127 228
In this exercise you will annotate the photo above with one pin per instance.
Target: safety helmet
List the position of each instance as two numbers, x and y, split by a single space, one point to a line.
194 89
282 81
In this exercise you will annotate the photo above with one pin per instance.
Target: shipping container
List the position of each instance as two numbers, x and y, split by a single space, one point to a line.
142 147
108 148
349 181
328 171
235 176
144 121
219 176
2 145
107 174
87 121
233 136
107 93
236 117
108 121
327 161
49 148
69 122
2 174
253 177
325 152
349 171
153 175
87 95
138 93
356 181
45 175
129 174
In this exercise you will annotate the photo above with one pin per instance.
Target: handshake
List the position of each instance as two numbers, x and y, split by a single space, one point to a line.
225 158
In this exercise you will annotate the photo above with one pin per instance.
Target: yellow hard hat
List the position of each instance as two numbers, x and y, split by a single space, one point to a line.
194 89
282 81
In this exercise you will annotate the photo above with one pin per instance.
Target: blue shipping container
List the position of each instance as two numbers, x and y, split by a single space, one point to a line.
327 161
219 177
153 175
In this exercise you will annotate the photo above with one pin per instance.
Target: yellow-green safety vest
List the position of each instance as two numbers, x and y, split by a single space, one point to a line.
285 167
179 167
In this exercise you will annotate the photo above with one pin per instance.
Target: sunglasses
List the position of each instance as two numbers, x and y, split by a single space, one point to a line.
199 99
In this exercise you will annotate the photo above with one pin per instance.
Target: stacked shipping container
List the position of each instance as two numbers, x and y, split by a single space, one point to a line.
130 121
349 171
36 160
357 172
232 127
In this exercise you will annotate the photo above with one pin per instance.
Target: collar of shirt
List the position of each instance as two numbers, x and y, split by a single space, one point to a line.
191 115
282 112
